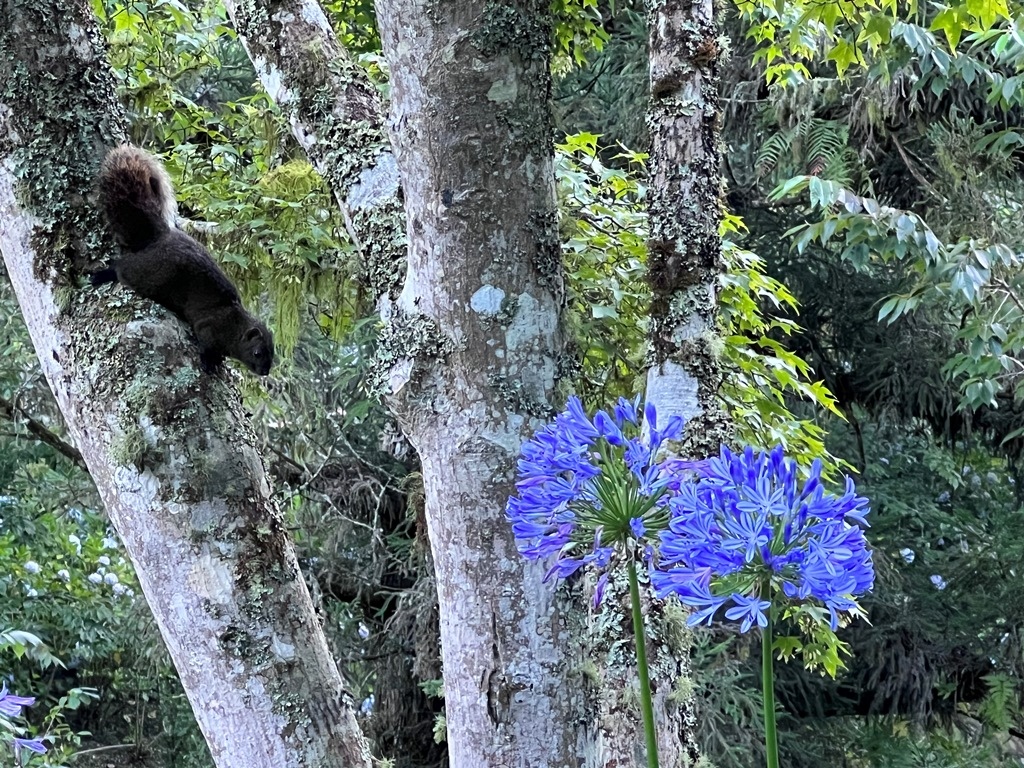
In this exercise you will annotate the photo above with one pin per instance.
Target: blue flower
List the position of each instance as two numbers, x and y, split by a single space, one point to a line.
750 609
746 531
586 486
32 745
10 704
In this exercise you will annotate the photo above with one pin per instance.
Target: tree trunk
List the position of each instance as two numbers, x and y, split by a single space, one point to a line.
169 448
685 250
474 347
621 743
336 116
684 266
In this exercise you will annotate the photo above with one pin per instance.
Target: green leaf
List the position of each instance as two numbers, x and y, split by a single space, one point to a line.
951 22
787 647
843 53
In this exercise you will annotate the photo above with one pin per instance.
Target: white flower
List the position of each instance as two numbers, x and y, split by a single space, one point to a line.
96 578
110 578
119 589
366 707
31 593
907 554
32 566
938 581
63 575
104 560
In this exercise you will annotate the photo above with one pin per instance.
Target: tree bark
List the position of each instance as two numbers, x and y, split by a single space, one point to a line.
474 348
685 250
169 448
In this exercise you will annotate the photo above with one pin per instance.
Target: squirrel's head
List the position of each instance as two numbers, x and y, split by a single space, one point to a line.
257 349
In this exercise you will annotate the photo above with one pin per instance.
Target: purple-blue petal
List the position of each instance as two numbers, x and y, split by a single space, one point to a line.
12 705
750 609
32 745
602 582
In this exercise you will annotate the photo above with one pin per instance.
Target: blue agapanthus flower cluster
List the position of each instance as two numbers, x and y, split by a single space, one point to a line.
586 485
11 706
747 530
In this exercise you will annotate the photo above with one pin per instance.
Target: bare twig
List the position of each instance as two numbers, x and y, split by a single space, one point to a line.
16 415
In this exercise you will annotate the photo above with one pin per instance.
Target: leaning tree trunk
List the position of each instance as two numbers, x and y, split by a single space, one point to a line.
169 448
336 116
471 348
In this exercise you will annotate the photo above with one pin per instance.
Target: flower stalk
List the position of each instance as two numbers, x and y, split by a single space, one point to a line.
646 704
771 740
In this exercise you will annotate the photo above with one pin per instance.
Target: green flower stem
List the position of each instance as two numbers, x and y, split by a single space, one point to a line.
771 741
646 705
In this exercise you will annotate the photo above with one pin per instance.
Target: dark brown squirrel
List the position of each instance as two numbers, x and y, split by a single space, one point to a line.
164 264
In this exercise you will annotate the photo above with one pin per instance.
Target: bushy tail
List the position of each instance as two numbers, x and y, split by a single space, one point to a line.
137 197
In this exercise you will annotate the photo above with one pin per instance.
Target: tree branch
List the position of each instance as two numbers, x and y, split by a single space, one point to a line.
11 412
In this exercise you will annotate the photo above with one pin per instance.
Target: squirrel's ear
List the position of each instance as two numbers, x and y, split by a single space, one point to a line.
154 184
253 334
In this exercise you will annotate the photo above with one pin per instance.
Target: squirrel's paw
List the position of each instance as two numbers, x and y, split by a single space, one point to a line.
210 362
104 276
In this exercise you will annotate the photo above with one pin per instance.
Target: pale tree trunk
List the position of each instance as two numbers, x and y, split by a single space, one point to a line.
169 448
474 346
471 349
336 116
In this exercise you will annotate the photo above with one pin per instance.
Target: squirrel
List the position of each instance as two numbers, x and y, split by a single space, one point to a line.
164 264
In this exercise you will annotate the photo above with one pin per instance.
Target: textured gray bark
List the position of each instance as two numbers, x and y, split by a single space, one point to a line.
169 448
621 742
474 344
685 251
